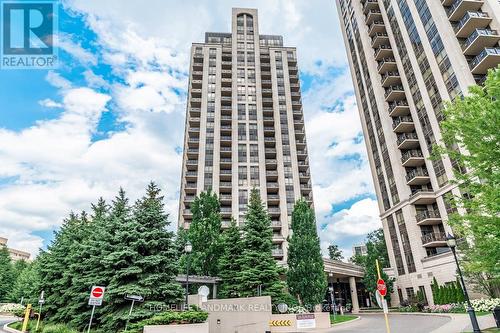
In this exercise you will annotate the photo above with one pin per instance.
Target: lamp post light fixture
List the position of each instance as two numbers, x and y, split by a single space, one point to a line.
451 241
188 248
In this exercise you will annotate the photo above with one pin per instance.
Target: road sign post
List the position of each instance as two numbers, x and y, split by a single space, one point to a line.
96 296
382 290
41 300
133 298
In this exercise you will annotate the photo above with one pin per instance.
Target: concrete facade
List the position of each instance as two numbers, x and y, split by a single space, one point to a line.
245 126
408 58
14 254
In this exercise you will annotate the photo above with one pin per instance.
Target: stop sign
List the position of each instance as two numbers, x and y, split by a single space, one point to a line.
381 287
97 292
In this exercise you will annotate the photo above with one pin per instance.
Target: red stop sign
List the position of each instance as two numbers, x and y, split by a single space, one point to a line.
381 287
97 292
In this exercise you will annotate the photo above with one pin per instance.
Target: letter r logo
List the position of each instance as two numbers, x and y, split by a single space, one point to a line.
28 28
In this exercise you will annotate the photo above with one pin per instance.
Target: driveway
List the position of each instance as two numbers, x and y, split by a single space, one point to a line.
375 323
5 320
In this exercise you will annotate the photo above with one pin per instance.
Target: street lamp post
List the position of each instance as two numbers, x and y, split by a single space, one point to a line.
332 296
451 241
187 249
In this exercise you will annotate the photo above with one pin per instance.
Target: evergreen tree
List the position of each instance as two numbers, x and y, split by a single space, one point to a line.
7 275
258 267
306 275
27 286
229 263
54 278
144 262
334 253
205 235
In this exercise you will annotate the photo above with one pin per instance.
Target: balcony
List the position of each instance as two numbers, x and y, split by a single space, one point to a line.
370 4
278 238
434 239
428 217
269 142
488 58
470 22
272 187
293 69
399 108
266 83
417 176
227 100
422 197
294 78
226 161
267 92
380 38
226 174
277 253
270 152
187 213
387 65
191 175
192 152
196 102
226 73
376 26
294 86
460 7
412 158
271 162
403 124
390 79
272 175
274 198
268 129
226 211
383 52
190 187
480 39
197 75
408 140
189 198
194 121
276 224
225 185
196 83
225 224
225 198
227 91
393 93
373 15
267 101
274 211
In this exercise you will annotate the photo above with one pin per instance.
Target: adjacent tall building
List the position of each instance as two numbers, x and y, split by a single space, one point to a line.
245 126
407 58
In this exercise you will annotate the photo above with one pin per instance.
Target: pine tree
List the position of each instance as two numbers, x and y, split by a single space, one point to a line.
7 276
204 234
55 280
460 292
26 286
258 267
144 262
229 263
306 275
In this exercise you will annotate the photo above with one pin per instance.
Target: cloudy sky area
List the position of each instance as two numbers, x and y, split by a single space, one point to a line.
113 113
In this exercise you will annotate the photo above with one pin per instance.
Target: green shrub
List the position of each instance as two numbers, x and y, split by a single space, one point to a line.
171 318
58 328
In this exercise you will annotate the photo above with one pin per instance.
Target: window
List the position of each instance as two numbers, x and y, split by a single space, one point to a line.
254 154
243 199
254 176
242 153
252 112
252 131
242 175
242 131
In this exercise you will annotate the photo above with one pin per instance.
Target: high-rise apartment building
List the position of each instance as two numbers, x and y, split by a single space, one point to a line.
407 57
245 126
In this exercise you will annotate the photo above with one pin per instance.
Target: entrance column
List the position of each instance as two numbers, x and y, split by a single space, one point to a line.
354 294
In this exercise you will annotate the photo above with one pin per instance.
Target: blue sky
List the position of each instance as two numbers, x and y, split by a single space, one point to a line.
112 113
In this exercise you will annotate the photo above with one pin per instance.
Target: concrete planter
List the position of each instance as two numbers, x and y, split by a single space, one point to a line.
186 328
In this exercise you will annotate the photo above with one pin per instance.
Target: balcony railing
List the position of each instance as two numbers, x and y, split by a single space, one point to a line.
476 34
406 136
399 120
467 17
495 51
427 214
391 89
434 237
418 172
411 153
384 61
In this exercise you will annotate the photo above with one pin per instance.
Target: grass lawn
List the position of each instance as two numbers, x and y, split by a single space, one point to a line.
491 330
341 318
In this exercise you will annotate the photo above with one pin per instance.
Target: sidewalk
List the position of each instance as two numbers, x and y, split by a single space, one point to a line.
461 323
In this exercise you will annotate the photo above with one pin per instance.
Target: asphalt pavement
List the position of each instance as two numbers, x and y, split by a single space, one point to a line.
375 323
5 320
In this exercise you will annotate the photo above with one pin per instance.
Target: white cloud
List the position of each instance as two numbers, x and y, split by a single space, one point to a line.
66 43
358 220
61 167
48 103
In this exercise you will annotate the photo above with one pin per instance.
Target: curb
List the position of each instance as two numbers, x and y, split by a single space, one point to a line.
445 315
11 330
347 322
